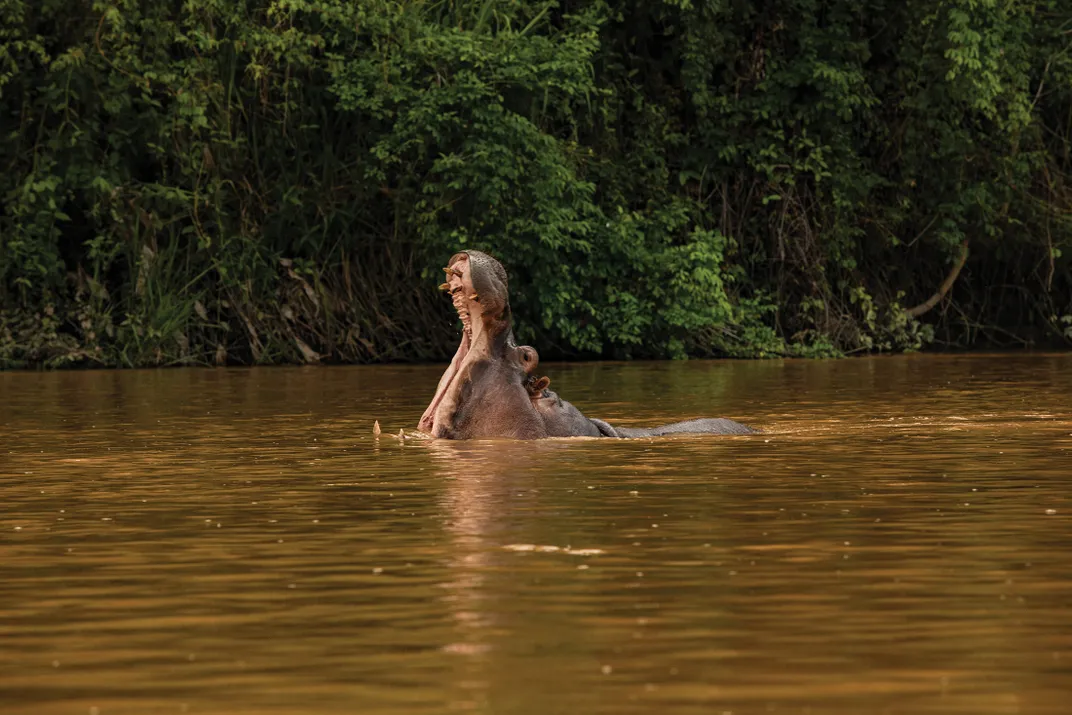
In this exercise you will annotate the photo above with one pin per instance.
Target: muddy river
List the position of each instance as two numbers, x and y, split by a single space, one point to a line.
898 540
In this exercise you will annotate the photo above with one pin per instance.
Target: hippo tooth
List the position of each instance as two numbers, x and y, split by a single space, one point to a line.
444 286
474 296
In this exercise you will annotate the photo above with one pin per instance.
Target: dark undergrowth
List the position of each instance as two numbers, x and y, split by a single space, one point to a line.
245 181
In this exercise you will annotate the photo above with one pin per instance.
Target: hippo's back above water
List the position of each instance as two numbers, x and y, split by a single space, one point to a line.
704 425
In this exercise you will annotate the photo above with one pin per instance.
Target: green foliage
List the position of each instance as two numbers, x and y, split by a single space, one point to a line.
270 181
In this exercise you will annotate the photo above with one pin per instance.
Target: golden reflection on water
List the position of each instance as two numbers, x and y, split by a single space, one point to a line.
236 541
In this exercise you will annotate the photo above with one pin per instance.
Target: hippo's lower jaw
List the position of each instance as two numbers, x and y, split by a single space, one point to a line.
439 413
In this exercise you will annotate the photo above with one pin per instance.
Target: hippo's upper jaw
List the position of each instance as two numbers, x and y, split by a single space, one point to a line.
481 393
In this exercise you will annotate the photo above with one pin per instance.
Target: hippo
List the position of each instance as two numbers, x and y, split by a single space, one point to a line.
490 388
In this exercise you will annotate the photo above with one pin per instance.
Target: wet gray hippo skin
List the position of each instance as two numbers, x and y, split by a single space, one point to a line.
490 388
562 419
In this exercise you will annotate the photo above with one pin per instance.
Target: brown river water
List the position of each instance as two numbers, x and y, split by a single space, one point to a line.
898 540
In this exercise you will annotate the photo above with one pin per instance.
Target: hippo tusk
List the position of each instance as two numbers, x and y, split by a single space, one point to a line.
475 297
444 286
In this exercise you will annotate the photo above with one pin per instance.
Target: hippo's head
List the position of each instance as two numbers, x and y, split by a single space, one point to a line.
482 393
560 418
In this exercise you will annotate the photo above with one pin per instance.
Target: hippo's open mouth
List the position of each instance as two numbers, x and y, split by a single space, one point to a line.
479 295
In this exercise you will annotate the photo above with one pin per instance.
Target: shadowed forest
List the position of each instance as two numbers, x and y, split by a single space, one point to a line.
242 181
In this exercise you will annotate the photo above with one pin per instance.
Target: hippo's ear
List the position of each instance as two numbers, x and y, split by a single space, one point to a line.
542 384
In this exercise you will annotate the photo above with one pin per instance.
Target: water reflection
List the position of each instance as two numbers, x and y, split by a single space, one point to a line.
236 541
474 475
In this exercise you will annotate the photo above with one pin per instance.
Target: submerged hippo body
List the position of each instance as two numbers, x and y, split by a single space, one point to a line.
562 419
490 390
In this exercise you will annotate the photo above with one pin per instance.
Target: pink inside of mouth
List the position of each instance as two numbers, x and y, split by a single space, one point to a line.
469 310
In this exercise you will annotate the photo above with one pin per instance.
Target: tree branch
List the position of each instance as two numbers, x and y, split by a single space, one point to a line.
946 284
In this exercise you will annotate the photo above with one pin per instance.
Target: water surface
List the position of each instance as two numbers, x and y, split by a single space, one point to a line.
236 541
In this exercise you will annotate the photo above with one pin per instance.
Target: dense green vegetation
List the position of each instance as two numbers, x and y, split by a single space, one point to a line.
251 181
